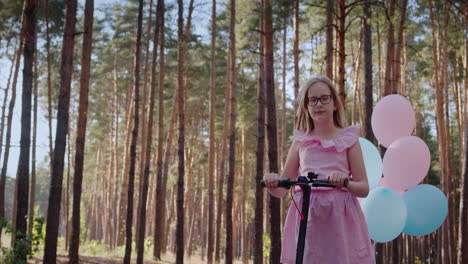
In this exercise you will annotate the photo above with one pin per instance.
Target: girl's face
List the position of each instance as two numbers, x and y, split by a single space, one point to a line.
320 102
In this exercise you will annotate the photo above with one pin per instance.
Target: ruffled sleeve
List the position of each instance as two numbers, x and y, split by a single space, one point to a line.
344 140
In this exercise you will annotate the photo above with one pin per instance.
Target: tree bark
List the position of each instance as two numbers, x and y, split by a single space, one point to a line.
368 101
144 126
440 123
212 153
73 253
390 64
148 144
222 171
22 176
232 131
125 176
160 187
462 249
274 203
329 47
49 84
32 185
53 212
296 48
259 154
166 162
181 139
341 51
131 173
357 84
399 46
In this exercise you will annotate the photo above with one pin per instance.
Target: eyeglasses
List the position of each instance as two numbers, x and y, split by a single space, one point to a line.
324 99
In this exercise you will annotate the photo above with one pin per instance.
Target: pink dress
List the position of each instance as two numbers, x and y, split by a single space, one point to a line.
336 231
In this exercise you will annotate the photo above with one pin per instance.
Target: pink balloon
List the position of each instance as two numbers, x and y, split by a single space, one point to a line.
393 117
405 163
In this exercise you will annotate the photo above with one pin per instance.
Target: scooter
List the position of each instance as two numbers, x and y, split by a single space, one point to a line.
306 184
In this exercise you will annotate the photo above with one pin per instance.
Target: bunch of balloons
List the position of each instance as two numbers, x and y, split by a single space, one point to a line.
396 203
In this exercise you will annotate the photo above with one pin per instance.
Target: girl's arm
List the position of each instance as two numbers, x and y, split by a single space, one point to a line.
289 171
359 185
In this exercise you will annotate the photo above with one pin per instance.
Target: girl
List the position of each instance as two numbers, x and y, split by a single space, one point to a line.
336 229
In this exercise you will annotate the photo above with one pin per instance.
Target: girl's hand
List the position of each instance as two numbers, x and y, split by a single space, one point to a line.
337 178
271 180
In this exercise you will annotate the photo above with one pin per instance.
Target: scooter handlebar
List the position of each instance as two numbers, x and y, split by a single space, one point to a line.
287 183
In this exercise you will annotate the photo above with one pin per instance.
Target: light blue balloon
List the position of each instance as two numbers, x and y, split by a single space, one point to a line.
427 209
385 213
372 162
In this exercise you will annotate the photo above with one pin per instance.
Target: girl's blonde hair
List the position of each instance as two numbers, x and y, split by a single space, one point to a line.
304 121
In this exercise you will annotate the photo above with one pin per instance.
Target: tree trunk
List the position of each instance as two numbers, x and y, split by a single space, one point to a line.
66 201
357 84
160 200
131 174
116 155
32 186
222 158
244 232
274 204
22 176
399 47
296 48
440 123
462 250
329 48
232 131
166 162
368 101
125 180
49 85
390 63
144 126
148 144
181 140
81 131
53 212
341 52
212 153
259 153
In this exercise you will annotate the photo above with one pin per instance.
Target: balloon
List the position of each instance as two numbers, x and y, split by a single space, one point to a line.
405 163
385 213
393 117
427 209
372 162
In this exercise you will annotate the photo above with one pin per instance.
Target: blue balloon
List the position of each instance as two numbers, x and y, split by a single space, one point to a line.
427 209
372 162
385 213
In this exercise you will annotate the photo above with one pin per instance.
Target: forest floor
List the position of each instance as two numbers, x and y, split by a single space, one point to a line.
167 259
102 257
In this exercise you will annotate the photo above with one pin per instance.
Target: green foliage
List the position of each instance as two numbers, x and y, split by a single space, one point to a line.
93 247
266 244
418 260
25 245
